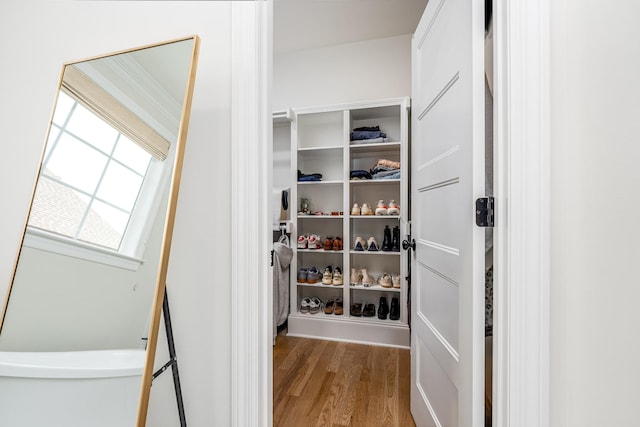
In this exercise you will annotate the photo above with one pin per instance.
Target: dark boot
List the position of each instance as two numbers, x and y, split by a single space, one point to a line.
395 246
394 312
386 243
383 308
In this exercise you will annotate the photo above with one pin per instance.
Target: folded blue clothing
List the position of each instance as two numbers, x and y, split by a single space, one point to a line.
360 174
382 174
367 134
380 168
395 175
309 178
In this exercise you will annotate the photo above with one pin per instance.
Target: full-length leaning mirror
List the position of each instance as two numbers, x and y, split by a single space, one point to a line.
79 327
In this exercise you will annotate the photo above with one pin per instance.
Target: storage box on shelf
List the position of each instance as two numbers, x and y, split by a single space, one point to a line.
322 147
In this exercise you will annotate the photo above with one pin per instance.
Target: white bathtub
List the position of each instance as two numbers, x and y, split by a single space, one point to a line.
68 389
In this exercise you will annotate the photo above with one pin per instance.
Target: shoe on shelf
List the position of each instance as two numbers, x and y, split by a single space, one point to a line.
383 308
337 277
355 210
305 305
366 209
315 305
360 244
356 277
381 208
339 307
386 242
337 244
395 279
367 281
356 309
329 306
395 241
372 245
393 208
303 241
313 275
369 310
394 311
302 275
314 242
327 276
328 244
385 280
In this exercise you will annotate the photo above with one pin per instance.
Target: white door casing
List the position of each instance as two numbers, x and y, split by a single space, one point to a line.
447 175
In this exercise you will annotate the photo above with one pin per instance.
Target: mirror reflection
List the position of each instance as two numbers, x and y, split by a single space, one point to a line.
87 269
90 258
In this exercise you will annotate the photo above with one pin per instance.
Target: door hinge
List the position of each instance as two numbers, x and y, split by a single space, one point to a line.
272 258
484 212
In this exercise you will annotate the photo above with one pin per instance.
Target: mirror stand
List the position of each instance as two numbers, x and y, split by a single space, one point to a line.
173 361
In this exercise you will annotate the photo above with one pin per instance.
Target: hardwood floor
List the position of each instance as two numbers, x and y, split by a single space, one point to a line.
325 383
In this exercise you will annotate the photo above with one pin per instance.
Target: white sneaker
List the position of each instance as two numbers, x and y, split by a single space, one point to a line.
303 241
393 208
314 242
381 208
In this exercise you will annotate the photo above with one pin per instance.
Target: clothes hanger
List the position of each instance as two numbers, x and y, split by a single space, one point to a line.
283 236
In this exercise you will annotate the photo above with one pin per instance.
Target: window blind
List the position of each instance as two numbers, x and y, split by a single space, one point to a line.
84 90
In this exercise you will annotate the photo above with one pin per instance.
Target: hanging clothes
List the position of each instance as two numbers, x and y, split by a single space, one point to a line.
282 256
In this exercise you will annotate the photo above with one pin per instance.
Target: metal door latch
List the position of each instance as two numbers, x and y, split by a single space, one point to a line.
485 212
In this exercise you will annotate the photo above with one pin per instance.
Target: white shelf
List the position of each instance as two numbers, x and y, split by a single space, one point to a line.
374 253
320 143
397 217
373 288
329 147
376 146
320 285
334 182
374 181
320 216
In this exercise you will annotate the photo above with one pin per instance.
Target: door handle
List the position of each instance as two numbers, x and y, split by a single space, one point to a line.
406 244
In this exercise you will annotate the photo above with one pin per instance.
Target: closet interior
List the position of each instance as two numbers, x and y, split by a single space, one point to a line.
347 212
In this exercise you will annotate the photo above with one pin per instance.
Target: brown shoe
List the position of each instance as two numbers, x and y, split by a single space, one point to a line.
339 308
337 244
329 306
328 244
369 310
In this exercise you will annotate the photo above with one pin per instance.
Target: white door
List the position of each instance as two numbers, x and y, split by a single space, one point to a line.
447 161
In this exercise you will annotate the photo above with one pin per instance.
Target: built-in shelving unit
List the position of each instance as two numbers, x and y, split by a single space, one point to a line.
321 144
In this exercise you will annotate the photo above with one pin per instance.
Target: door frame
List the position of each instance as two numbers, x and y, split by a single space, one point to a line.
521 237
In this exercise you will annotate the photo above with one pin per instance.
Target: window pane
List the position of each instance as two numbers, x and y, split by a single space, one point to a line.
77 164
120 186
104 225
62 108
57 208
132 155
88 127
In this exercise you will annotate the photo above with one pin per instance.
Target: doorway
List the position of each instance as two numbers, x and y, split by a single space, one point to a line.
515 60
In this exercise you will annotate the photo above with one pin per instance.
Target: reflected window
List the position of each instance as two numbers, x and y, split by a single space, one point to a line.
91 178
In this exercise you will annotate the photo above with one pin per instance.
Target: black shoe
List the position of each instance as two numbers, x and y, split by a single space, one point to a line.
356 309
394 312
369 310
395 246
383 308
386 242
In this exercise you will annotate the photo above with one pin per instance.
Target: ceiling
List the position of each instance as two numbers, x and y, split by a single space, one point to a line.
308 24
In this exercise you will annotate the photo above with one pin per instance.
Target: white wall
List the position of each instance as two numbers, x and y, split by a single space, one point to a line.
595 274
38 37
363 71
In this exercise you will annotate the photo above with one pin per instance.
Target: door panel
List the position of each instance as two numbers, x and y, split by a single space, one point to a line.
447 345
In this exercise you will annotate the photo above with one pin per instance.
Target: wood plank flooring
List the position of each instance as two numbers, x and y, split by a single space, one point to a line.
325 383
